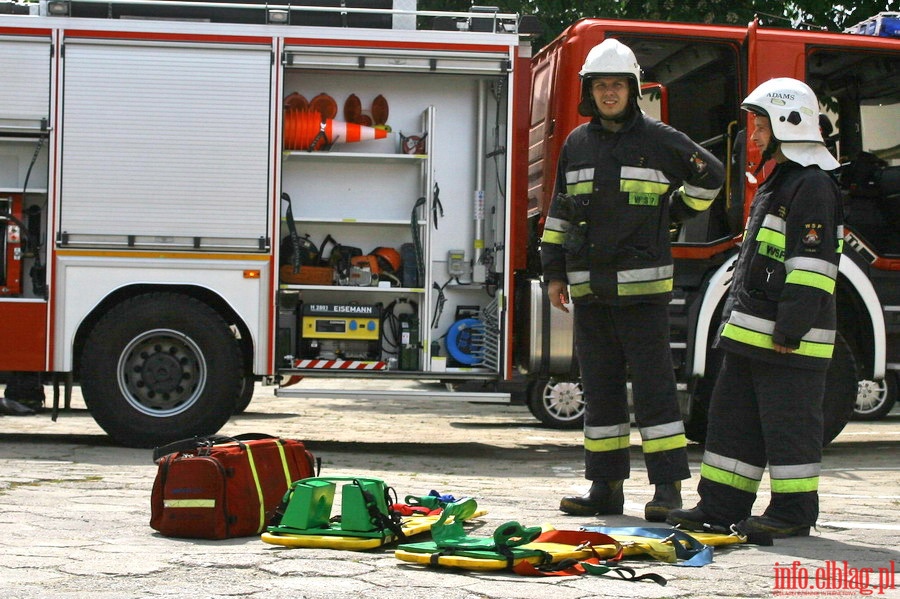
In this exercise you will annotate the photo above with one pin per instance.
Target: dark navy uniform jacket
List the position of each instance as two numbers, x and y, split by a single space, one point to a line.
784 278
607 233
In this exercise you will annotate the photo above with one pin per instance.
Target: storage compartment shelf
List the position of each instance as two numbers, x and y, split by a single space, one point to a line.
369 199
24 133
366 157
352 288
355 221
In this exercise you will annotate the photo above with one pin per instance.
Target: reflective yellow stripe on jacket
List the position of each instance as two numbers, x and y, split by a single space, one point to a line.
580 181
645 281
698 198
812 272
643 180
579 283
555 230
771 237
756 331
189 503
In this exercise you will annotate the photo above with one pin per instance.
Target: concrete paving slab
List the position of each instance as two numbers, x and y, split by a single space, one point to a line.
74 510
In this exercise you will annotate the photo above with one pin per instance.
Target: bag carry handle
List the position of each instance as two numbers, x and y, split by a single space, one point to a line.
207 441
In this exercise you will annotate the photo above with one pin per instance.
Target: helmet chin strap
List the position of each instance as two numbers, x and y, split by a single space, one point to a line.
767 154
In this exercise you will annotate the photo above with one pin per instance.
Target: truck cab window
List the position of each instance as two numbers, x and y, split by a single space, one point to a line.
859 92
696 92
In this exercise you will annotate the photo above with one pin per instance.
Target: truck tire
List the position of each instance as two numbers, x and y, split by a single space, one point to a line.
160 367
840 391
248 385
696 416
695 420
875 399
837 403
557 403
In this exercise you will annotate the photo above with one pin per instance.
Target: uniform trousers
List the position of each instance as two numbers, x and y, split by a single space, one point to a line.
763 413
613 344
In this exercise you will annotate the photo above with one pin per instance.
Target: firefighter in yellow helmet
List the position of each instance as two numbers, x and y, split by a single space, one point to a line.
779 330
622 178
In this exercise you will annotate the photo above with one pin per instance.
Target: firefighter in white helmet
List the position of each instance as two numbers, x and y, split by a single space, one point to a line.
621 180
779 330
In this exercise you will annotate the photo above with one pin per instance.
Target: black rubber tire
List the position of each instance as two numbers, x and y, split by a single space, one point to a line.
875 399
136 358
557 403
248 384
840 391
696 420
837 403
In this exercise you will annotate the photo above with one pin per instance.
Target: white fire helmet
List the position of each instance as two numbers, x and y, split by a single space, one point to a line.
793 111
609 58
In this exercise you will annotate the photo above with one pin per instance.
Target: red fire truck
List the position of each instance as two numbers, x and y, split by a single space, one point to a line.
198 196
695 77
175 228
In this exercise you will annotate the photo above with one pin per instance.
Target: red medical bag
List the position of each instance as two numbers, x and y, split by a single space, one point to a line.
222 487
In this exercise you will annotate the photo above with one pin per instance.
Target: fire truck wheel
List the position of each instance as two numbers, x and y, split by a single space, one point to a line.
875 399
837 404
161 367
695 416
246 396
557 403
840 390
695 420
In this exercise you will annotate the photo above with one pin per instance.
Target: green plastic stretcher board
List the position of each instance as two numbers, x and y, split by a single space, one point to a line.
429 553
410 525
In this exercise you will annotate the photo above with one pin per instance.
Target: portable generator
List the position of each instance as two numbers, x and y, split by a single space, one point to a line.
345 331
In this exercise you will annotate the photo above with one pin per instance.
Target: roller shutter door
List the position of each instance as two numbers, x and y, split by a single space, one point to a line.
166 146
25 87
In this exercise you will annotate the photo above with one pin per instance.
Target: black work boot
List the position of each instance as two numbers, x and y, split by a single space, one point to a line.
697 520
605 497
666 498
771 527
11 407
26 392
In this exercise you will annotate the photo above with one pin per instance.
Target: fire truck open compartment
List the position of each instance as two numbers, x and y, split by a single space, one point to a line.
446 199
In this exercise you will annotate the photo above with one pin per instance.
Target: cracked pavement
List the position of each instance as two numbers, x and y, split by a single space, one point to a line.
74 509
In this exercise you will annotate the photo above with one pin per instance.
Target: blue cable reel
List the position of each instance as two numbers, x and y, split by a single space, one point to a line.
465 341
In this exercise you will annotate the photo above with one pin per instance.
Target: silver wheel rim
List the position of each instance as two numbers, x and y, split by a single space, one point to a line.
564 400
870 396
161 373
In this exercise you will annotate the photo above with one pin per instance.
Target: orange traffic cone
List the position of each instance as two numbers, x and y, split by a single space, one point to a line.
307 130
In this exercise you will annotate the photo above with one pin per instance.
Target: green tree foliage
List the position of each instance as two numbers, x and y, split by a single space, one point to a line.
556 15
